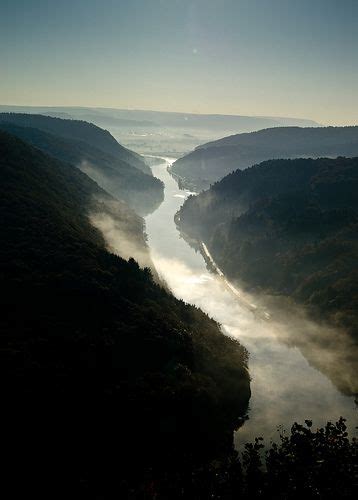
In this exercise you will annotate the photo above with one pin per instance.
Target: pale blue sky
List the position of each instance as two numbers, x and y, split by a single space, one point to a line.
255 57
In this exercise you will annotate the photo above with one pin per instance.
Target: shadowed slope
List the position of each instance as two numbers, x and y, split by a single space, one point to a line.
92 349
141 191
212 161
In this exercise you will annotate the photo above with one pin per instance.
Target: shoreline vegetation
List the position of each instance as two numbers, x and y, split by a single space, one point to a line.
281 219
286 230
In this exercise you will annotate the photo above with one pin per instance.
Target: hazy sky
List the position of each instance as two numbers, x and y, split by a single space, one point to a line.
255 57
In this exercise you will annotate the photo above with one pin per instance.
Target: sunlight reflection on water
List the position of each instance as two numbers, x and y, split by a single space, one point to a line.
285 387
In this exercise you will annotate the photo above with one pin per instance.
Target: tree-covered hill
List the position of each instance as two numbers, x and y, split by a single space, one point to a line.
79 130
213 161
287 227
106 377
141 191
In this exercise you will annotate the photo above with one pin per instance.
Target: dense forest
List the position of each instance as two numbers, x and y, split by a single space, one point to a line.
212 161
107 374
79 130
289 228
111 170
142 192
179 250
112 386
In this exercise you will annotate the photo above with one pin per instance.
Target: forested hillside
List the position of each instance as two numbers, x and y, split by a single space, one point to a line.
213 161
80 130
141 191
287 227
110 380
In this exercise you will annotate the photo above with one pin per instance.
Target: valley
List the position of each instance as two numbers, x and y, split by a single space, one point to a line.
287 384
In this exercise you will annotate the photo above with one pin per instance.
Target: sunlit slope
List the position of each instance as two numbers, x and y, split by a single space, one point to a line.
212 161
141 191
287 227
92 345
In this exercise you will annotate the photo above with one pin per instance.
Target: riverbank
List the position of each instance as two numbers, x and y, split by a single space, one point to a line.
285 386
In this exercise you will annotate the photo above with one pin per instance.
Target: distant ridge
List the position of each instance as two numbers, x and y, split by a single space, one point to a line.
238 123
212 161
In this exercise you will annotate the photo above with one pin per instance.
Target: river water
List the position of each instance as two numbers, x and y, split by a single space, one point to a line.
285 387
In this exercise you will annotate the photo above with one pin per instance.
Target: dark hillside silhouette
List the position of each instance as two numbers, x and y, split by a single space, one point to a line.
289 228
80 130
106 374
141 191
213 161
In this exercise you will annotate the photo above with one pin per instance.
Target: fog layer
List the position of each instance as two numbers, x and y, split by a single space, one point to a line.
122 229
292 364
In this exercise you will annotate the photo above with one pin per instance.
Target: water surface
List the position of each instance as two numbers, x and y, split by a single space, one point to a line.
285 387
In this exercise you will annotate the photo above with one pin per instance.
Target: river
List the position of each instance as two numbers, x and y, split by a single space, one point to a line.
285 386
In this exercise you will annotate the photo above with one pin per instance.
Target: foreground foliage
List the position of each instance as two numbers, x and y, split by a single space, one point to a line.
306 463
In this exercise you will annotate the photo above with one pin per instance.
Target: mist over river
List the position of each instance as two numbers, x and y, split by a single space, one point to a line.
285 386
